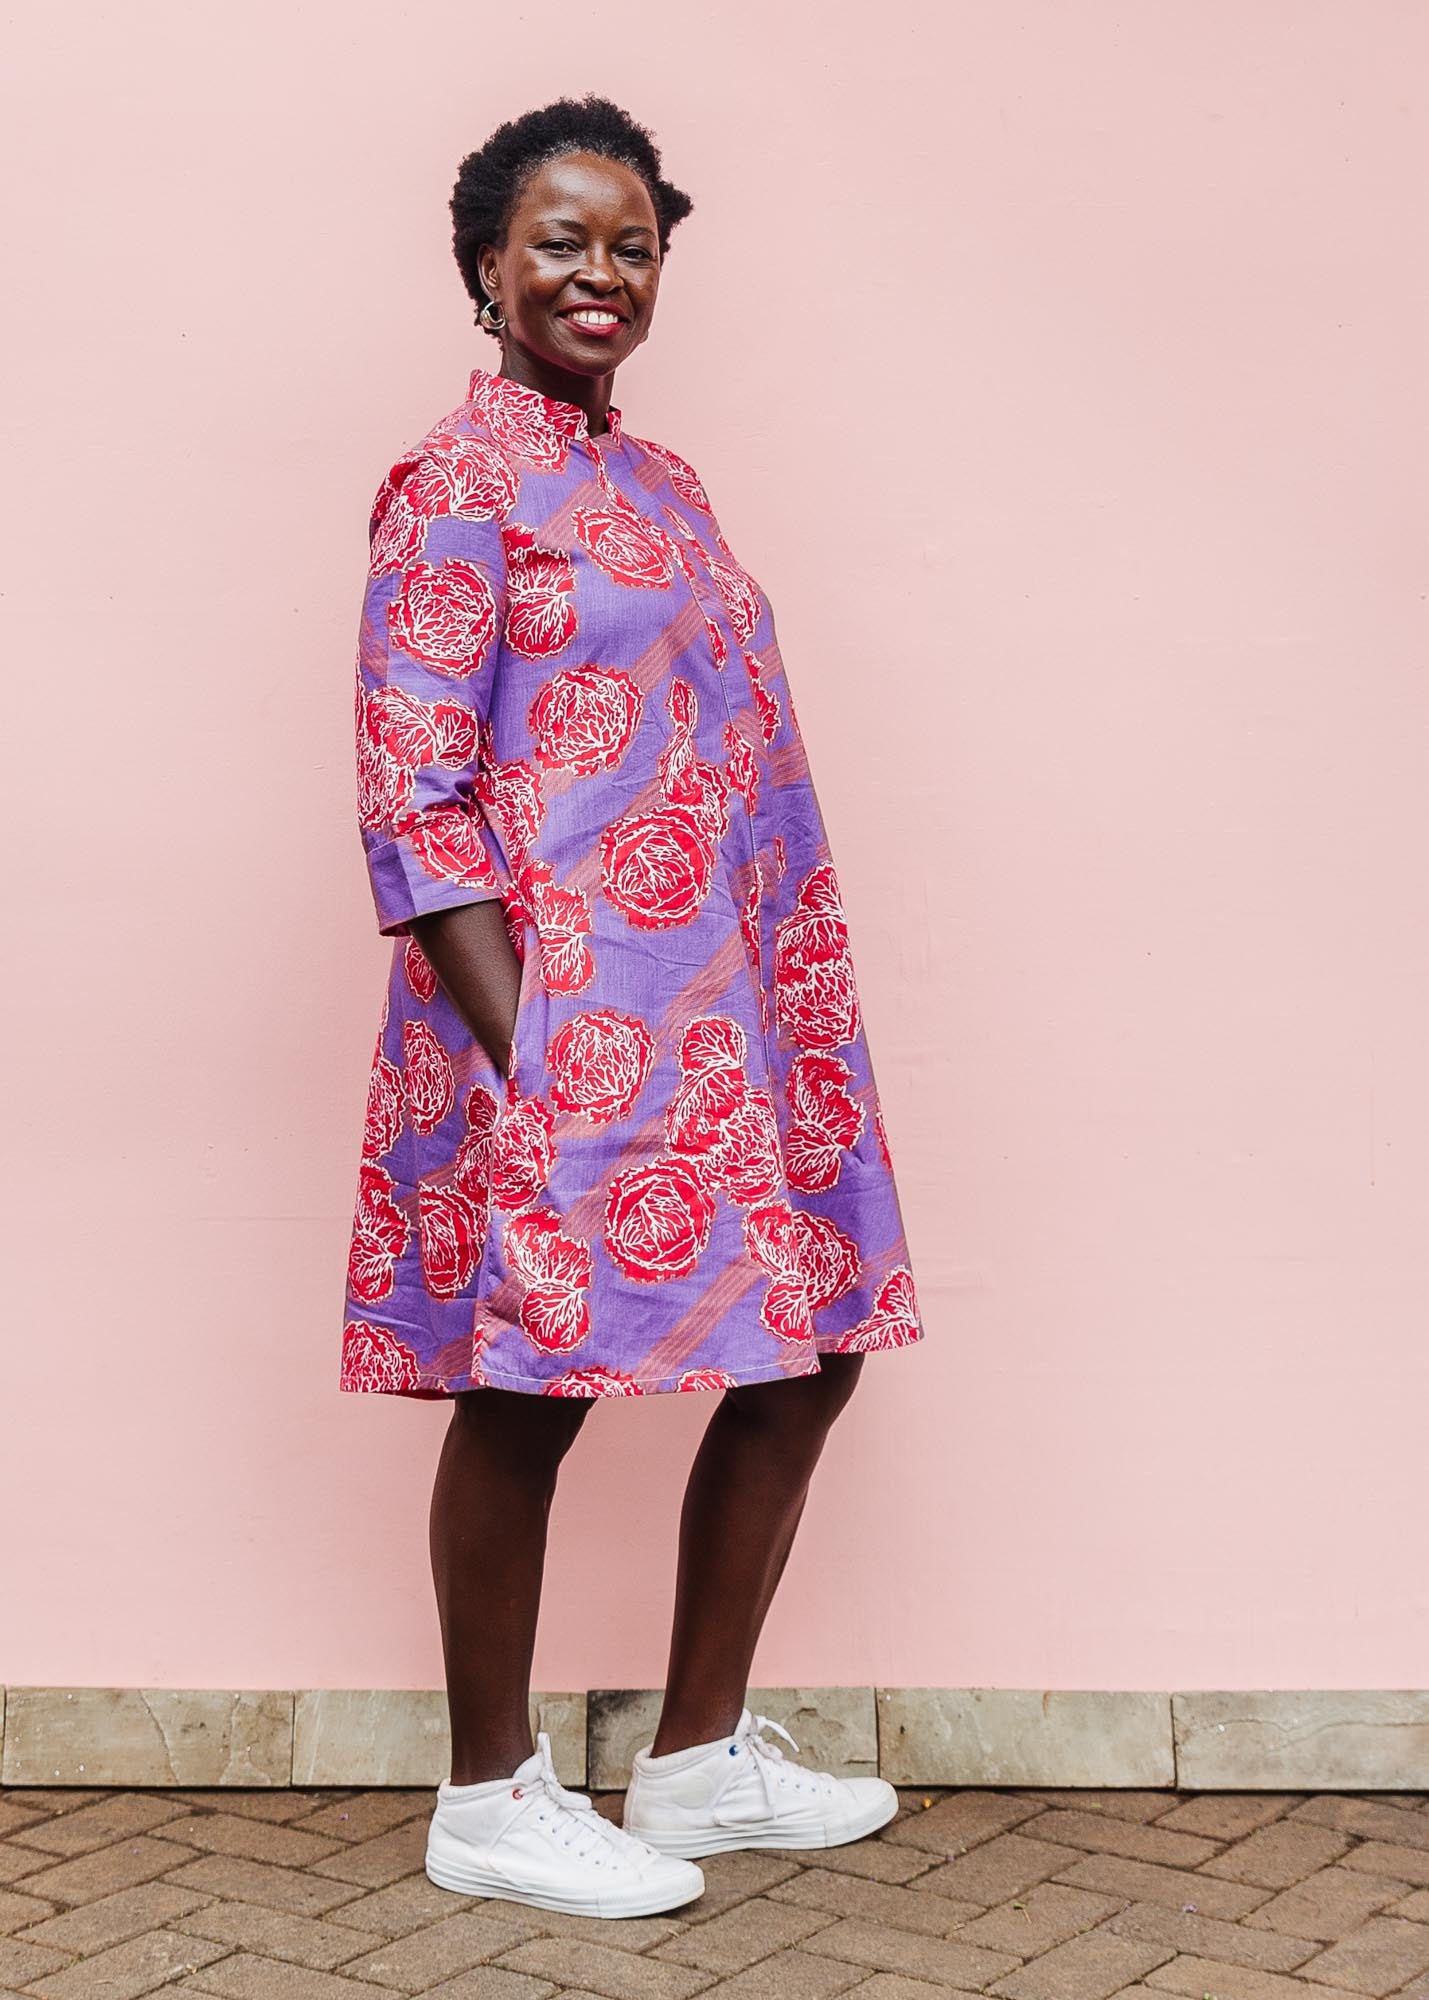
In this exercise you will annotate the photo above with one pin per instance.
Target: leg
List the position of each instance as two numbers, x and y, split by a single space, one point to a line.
746 1492
491 1503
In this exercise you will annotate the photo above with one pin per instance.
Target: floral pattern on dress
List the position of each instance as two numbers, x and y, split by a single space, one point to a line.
569 698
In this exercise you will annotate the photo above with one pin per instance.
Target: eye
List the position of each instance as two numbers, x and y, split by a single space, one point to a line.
556 245
637 250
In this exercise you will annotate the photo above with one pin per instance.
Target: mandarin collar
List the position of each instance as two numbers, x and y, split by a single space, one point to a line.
489 390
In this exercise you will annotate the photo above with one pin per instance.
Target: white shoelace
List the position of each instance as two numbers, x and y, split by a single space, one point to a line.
772 1764
571 1817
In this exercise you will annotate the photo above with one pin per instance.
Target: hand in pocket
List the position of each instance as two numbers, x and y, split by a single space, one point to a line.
472 955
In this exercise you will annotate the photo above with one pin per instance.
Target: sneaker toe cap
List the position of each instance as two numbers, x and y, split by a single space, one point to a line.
868 1796
682 1878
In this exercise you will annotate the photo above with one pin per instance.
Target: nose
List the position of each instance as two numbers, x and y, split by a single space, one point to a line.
598 271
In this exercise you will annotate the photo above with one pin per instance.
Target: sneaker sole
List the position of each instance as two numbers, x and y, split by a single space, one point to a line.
720 1839
467 1880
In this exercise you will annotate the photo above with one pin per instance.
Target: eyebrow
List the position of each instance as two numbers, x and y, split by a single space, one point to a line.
569 222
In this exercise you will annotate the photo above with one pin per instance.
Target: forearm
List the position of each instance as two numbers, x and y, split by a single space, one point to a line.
471 953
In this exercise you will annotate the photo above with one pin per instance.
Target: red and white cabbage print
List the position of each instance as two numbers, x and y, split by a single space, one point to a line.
373 1358
629 548
593 1382
742 769
383 1124
467 476
510 796
657 868
380 1233
766 702
686 563
415 732
563 921
395 530
749 926
569 699
815 998
384 786
882 1132
517 917
421 973
463 475
600 1062
525 424
541 616
682 528
746 1162
893 1321
481 1110
472 1167
741 597
686 778
451 1225
557 1270
430 1085
523 1151
716 1121
772 1237
824 1121
448 842
444 615
713 1084
683 477
584 719
828 1259
658 1220
399 735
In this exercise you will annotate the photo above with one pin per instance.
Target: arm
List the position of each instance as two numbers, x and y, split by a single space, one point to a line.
432 618
471 953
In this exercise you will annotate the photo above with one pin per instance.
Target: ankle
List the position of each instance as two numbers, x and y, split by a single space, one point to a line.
685 1731
479 1765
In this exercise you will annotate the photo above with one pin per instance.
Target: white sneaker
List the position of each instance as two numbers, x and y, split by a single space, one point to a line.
529 1840
742 1791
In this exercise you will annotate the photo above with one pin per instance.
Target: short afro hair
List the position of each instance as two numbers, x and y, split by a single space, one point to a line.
489 180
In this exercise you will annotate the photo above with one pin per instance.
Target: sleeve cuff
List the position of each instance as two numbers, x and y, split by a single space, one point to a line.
402 888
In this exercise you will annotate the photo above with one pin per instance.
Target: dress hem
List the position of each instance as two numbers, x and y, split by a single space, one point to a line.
628 1385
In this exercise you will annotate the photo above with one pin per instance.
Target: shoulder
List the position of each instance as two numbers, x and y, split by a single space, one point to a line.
456 469
678 471
457 450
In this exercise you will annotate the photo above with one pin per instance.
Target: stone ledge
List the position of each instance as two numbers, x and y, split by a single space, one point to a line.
208 1738
1308 1740
1018 1736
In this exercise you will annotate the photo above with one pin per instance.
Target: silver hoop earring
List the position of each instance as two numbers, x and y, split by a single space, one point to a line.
483 318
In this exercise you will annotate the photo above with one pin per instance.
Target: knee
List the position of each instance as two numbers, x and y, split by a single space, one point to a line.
540 1430
804 1405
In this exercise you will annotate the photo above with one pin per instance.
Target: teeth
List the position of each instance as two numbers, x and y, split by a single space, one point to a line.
595 318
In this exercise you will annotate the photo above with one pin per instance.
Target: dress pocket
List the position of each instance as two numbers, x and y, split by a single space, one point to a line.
526 1066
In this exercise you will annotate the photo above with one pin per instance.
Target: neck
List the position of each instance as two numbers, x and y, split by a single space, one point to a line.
590 393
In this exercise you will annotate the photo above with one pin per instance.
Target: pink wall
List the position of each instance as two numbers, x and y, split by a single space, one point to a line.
1108 326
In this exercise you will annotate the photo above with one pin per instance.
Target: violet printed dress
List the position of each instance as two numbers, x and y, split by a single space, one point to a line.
570 697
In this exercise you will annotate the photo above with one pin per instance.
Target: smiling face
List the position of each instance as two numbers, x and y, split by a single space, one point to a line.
579 273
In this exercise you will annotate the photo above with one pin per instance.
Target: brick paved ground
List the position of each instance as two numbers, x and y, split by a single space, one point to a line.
1028 1895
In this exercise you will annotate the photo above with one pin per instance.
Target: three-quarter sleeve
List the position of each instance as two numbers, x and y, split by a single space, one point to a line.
432 617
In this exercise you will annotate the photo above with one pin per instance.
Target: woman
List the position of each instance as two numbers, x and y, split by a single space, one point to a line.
622 1133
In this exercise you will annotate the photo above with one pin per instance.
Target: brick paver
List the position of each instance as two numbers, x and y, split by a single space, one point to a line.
1380 1957
1328 1904
1018 1894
